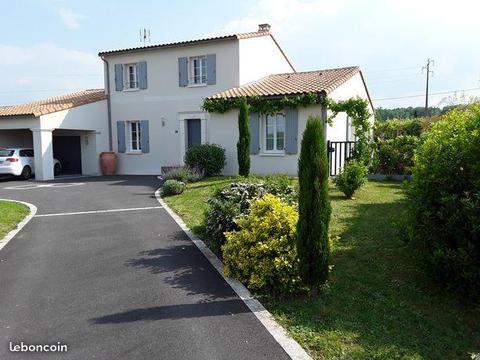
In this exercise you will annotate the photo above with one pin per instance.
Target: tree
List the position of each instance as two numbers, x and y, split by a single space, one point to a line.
313 207
243 144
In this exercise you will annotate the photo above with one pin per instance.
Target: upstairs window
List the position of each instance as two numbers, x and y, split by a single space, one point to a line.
198 70
134 136
130 76
274 130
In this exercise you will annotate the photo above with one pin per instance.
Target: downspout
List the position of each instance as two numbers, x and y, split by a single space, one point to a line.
109 107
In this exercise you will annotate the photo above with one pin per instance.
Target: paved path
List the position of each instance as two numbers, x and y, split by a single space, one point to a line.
116 285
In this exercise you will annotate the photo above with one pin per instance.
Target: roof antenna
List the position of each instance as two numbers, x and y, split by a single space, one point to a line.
144 36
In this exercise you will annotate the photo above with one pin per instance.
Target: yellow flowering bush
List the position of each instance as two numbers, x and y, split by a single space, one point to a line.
262 253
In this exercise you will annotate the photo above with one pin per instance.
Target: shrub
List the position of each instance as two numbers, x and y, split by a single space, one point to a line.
313 206
235 199
219 218
262 253
172 187
393 128
395 156
209 158
444 198
183 174
351 178
243 144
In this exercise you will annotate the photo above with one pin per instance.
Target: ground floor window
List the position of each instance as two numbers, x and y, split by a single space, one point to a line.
134 136
274 133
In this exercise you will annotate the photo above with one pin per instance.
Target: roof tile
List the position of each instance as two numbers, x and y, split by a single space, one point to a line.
54 104
246 35
292 83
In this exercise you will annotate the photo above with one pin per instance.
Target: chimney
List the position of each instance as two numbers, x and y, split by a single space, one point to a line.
263 27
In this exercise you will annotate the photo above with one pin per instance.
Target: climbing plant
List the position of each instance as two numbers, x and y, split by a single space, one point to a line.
261 105
356 108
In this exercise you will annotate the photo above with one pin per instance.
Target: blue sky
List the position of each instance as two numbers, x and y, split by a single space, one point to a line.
50 46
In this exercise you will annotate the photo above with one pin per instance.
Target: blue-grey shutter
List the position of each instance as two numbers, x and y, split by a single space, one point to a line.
211 69
121 136
182 71
144 136
142 74
118 77
254 133
291 131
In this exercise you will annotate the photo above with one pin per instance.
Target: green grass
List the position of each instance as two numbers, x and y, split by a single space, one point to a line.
11 214
378 303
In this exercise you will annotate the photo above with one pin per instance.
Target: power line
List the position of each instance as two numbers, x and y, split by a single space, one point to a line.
388 70
421 95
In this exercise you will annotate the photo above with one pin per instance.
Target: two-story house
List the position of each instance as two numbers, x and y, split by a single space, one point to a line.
150 111
156 92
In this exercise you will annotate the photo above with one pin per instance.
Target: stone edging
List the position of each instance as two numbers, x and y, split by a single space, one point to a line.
21 224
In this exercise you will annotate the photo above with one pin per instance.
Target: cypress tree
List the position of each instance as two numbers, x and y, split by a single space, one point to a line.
313 207
243 144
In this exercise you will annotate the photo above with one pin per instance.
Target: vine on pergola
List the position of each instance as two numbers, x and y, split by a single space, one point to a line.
356 108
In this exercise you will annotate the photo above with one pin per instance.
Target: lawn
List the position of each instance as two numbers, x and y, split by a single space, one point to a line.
378 303
11 214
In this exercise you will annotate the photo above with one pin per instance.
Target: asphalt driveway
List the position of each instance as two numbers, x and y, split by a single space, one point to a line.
123 284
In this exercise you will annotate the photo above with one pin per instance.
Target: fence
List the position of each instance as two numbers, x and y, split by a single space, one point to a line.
338 154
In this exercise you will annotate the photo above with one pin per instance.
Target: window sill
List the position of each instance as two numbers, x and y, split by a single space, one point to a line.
133 153
196 85
131 90
272 154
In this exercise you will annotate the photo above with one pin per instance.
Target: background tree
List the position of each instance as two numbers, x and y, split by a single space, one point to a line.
243 144
313 207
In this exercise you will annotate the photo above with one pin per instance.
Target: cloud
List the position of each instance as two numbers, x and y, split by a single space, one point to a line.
47 67
69 17
389 39
285 16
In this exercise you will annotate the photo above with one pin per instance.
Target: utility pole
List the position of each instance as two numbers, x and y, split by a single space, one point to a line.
427 68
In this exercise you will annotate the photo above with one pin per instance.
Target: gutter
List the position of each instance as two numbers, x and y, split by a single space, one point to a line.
109 107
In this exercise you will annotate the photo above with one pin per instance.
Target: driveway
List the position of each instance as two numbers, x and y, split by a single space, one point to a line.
123 284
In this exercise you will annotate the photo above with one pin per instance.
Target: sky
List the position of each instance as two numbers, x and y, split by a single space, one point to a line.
50 47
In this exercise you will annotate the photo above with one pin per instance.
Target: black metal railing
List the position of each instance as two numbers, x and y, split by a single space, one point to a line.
338 153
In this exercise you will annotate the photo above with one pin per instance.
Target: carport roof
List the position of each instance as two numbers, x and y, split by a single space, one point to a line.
54 104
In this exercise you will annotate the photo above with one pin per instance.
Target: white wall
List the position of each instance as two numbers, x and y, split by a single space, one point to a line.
260 57
90 122
9 123
223 130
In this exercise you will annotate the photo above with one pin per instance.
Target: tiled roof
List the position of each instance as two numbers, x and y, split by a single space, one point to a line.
54 104
292 83
247 35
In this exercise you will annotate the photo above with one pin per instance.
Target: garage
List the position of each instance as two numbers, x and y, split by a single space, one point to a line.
67 149
72 129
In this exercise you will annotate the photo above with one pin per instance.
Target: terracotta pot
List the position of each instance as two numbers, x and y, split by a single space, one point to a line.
108 162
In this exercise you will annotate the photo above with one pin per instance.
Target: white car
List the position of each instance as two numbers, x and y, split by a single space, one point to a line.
20 162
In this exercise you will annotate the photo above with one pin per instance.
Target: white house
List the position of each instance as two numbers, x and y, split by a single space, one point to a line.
152 110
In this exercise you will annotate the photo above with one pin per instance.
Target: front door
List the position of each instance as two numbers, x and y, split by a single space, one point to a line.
194 132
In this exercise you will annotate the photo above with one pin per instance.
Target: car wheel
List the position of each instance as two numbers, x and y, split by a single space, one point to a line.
57 169
26 173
